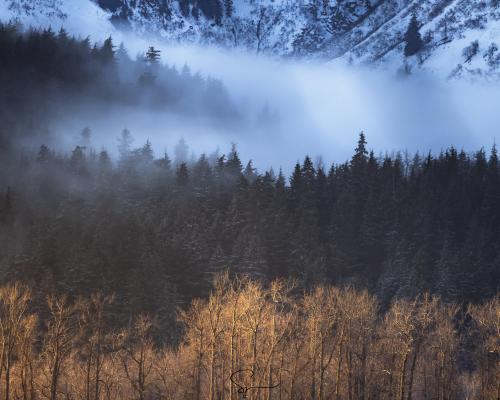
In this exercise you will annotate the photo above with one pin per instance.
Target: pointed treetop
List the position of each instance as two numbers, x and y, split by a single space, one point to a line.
234 164
63 35
250 171
147 152
43 154
153 55
308 171
360 153
296 176
182 175
280 182
413 38
493 161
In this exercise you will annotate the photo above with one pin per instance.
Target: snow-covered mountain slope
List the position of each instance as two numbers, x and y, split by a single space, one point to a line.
79 17
461 37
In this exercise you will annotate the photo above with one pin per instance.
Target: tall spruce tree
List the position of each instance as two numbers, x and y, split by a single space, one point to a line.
360 156
413 39
153 55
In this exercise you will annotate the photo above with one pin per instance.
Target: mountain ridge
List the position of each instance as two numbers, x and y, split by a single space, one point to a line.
461 37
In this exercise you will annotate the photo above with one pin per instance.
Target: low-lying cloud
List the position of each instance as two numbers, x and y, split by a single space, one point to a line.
289 108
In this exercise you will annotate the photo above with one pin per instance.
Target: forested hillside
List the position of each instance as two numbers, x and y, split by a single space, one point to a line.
49 76
132 273
154 230
459 38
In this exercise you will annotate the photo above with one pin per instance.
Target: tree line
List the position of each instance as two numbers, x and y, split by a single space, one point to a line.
213 10
272 341
47 74
154 230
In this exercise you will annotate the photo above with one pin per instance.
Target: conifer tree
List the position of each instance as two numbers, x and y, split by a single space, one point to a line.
228 8
360 156
147 152
412 37
296 184
43 155
106 54
153 55
308 174
122 54
250 173
182 176
233 164
104 163
195 12
164 163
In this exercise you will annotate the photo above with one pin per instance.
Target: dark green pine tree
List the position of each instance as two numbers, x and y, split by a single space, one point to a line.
153 55
280 183
44 155
322 201
489 215
77 161
228 8
63 37
104 164
308 173
195 12
359 166
413 39
218 11
164 163
182 176
295 186
146 153
233 165
360 157
250 173
152 60
308 199
202 178
106 54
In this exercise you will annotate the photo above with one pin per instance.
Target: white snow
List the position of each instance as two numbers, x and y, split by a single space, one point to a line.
81 18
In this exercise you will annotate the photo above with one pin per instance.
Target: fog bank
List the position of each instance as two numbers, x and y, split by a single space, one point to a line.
288 109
